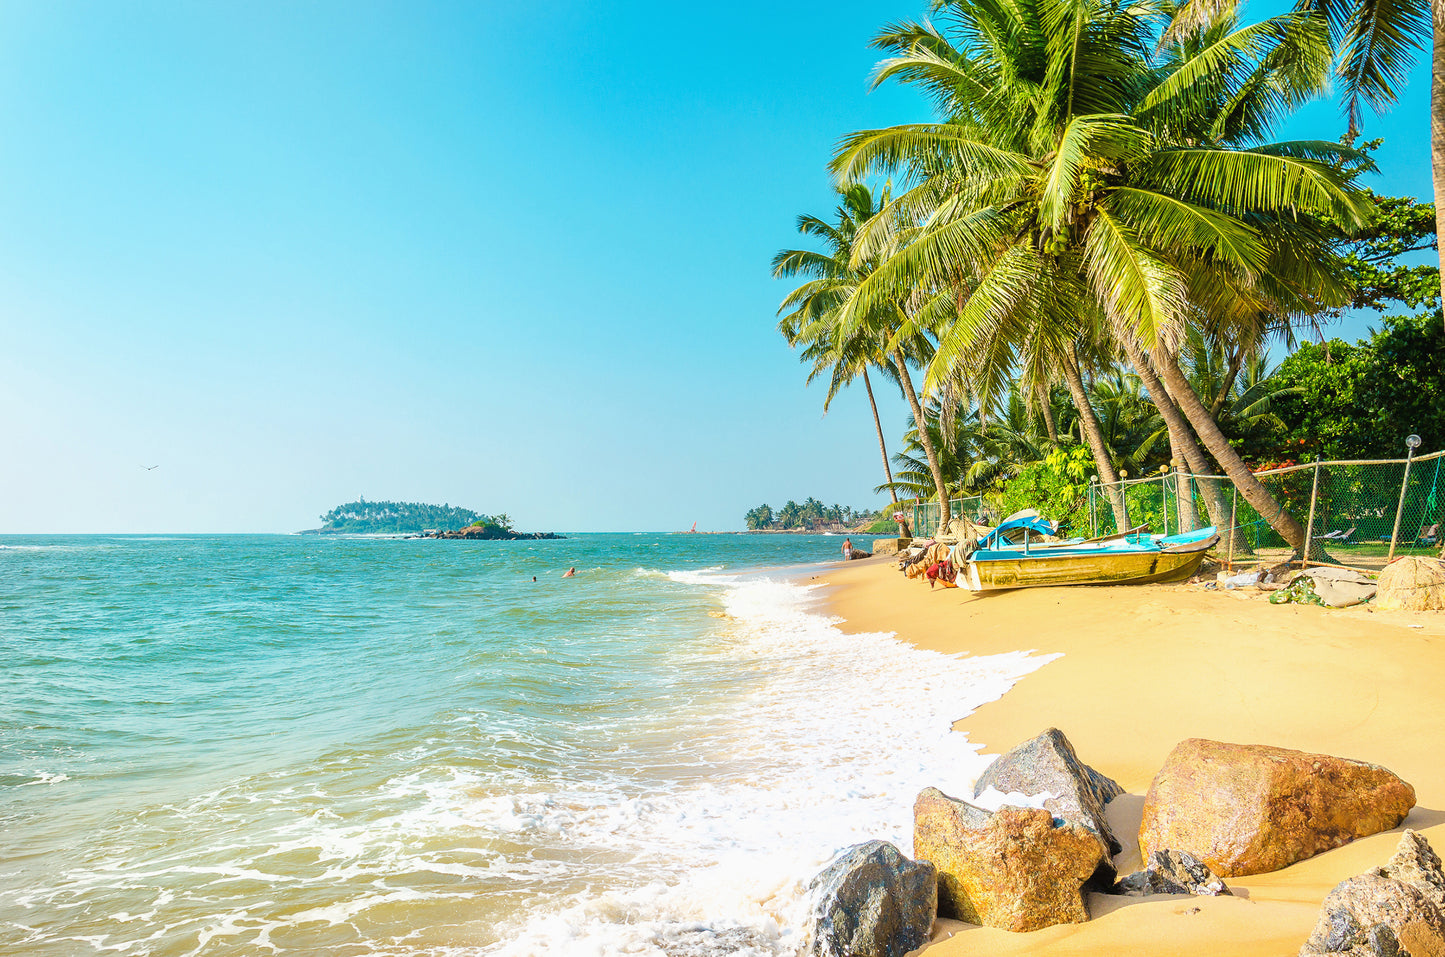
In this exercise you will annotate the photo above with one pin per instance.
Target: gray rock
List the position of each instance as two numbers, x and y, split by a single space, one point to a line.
1048 763
871 902
1393 911
1173 872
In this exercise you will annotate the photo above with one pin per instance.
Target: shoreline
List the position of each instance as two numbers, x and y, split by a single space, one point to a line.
1146 666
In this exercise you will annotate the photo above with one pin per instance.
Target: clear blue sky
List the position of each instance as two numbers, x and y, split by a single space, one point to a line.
507 256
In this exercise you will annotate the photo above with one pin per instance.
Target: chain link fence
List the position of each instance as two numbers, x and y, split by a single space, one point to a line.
1359 514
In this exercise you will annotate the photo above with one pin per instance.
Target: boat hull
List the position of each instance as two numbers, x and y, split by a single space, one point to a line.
1099 568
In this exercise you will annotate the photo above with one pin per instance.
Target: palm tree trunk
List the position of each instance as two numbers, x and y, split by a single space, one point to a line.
924 439
1047 410
1207 429
1094 437
1437 128
1185 448
882 446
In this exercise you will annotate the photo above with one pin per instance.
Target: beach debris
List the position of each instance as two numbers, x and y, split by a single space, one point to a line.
1017 869
1329 587
1048 762
1393 911
1250 808
1173 872
1412 584
871 902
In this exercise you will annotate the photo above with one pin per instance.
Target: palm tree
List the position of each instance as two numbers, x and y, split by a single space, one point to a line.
1085 184
848 351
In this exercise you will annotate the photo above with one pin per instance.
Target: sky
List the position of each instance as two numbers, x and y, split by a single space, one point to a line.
259 259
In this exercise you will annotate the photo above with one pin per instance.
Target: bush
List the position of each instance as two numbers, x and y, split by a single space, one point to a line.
1057 485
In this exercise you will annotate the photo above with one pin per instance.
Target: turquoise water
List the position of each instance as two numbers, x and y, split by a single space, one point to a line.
279 744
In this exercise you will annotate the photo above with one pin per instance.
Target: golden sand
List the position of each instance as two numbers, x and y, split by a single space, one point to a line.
1146 666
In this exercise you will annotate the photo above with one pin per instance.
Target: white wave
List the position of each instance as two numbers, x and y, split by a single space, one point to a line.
827 748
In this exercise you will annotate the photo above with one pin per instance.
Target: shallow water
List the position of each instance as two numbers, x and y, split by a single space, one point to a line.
277 744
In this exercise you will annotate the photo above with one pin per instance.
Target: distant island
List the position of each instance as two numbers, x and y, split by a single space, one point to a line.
811 516
415 518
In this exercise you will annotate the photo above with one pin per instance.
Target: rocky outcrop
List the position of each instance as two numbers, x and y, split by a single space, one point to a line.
890 546
1393 911
493 534
871 902
1049 764
1172 872
1017 869
1412 584
1249 809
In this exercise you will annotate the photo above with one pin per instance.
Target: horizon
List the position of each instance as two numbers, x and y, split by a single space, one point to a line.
260 256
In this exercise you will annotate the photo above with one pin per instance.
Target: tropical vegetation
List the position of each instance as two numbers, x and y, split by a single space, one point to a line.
363 517
1080 266
812 514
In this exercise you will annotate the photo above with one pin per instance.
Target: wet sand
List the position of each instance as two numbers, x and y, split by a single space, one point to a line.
1147 666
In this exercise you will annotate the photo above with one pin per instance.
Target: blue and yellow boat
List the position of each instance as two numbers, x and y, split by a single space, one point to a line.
1022 553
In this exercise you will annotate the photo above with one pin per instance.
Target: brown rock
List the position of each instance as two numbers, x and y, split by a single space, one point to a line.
1017 869
1398 909
1412 584
1249 809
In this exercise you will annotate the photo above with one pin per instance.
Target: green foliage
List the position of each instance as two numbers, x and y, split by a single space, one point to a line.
363 517
1360 400
494 523
1057 485
1399 227
811 514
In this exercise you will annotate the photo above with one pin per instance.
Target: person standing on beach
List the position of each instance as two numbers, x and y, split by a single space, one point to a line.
847 549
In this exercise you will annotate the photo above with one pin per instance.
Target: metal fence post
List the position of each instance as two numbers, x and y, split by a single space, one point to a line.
1179 499
1233 526
1164 498
1093 518
1411 444
1310 528
1124 501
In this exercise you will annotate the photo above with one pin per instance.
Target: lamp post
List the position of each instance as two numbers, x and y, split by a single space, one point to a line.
1412 442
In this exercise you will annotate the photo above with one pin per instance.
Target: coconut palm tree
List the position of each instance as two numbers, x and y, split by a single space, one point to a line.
850 350
1085 183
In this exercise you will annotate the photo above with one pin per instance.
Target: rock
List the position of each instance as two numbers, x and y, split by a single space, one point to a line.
857 553
1412 584
871 902
1173 872
1249 809
1393 911
1048 763
886 546
1017 869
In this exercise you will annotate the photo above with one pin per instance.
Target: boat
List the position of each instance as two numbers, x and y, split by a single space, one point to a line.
1022 552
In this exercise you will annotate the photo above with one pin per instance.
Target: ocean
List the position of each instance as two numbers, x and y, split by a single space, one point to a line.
220 745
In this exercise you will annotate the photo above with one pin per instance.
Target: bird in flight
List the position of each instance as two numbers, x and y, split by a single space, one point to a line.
150 468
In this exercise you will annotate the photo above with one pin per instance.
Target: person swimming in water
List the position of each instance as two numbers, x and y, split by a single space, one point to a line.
570 573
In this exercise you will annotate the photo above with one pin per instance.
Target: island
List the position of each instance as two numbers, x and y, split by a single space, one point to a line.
419 520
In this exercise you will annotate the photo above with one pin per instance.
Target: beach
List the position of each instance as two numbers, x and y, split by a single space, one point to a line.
1144 667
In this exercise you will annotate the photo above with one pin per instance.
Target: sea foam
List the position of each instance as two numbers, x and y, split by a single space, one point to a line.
828 747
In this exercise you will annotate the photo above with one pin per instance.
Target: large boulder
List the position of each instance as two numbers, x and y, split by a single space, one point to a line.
1048 764
1393 911
1017 869
1249 809
1173 872
1412 584
871 902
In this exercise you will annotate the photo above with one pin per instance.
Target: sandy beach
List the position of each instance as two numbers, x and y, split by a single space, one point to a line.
1147 666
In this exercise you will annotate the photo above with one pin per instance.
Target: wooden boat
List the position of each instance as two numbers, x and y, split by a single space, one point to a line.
1011 556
